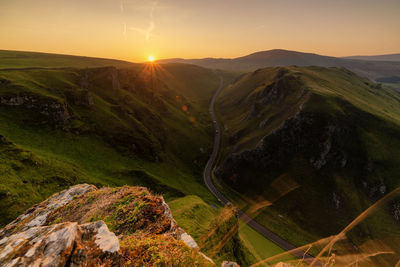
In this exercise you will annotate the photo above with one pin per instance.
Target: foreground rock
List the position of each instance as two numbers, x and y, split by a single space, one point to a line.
78 227
229 264
61 243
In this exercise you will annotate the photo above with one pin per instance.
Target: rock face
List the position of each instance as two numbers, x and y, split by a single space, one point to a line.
50 109
80 98
71 228
47 246
395 209
314 137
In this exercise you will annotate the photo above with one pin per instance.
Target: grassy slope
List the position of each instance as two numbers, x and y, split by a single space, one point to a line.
330 90
88 148
257 244
193 214
18 59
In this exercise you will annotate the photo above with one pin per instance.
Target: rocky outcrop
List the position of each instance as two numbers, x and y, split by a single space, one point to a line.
37 215
336 199
319 139
395 209
113 76
80 98
72 228
50 109
321 158
374 189
284 86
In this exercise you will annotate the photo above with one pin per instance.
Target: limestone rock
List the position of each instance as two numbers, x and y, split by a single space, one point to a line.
54 245
39 246
281 264
229 264
104 239
176 231
37 215
50 109
189 241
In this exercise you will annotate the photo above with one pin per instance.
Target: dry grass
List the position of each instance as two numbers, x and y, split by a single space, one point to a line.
159 250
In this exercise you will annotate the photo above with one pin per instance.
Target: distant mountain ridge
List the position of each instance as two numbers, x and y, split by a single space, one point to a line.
387 57
279 57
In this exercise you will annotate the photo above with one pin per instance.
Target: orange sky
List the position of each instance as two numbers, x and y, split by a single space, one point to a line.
134 29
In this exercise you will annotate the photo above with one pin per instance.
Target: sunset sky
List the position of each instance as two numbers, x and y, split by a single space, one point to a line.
134 29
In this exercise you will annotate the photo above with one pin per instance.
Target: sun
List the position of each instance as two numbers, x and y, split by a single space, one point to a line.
151 58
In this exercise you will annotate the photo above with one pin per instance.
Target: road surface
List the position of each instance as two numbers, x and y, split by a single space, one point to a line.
208 181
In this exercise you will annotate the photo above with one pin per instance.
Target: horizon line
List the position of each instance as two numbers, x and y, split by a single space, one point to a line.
207 57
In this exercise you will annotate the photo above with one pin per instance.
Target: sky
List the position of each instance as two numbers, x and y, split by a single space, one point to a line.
134 29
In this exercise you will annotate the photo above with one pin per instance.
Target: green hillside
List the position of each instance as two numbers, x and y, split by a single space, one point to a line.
308 149
141 125
18 59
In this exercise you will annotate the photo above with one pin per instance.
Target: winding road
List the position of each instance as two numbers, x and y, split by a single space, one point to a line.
247 219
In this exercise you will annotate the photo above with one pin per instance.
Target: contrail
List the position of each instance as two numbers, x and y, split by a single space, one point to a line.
147 32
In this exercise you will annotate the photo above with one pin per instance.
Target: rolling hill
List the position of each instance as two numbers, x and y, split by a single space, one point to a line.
307 149
20 59
278 57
